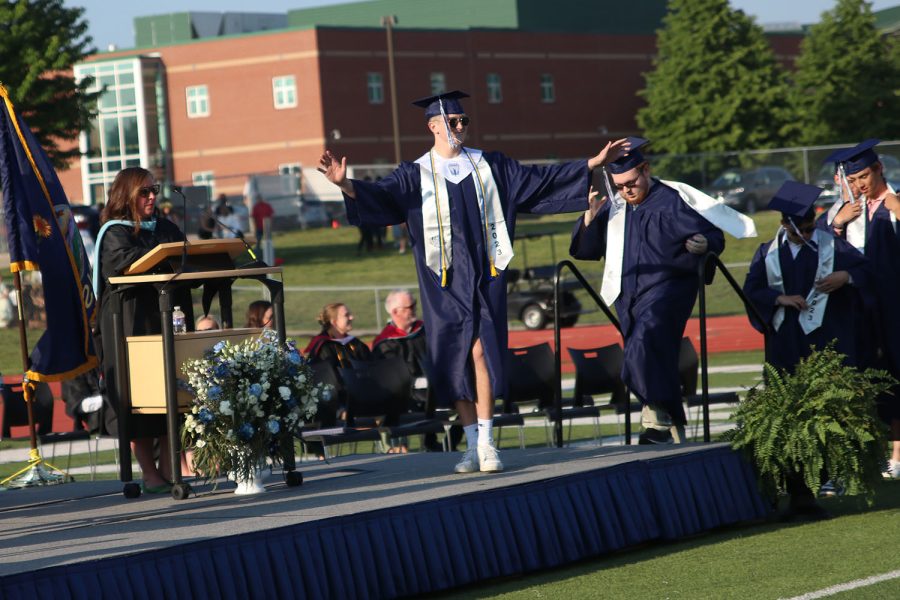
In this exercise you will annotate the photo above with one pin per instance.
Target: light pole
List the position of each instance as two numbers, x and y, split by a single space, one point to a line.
388 23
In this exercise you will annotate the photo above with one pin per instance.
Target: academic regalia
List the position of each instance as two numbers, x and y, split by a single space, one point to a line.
843 314
119 247
472 305
391 331
324 348
658 288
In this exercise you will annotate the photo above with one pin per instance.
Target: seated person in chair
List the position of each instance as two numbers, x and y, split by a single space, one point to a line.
401 306
335 344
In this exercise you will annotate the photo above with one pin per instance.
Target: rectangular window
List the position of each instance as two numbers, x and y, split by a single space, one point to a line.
438 84
375 87
206 178
548 91
494 89
197 101
289 168
284 91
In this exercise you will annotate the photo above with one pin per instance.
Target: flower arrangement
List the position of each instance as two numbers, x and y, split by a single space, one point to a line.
250 399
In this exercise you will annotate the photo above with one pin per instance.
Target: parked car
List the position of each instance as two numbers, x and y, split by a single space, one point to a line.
530 297
748 190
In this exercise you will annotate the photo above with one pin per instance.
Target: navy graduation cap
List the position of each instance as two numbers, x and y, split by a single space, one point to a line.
450 100
634 157
794 200
857 158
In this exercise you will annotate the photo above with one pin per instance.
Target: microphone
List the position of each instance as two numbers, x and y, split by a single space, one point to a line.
184 247
240 235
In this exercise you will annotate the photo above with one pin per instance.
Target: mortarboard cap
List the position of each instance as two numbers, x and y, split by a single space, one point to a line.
450 100
794 200
835 157
857 158
634 157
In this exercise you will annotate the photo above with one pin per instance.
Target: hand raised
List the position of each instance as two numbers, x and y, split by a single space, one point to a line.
594 205
334 170
612 151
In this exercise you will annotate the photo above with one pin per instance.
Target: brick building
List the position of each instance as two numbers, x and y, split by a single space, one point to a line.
204 100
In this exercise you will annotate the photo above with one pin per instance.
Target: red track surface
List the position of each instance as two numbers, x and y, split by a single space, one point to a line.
723 334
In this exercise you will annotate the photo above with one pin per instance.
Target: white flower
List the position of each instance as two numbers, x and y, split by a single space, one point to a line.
225 408
199 428
285 392
200 443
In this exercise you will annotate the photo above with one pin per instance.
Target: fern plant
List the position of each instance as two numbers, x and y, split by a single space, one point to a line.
821 416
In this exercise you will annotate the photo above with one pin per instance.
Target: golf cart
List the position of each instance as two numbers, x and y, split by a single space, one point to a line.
530 290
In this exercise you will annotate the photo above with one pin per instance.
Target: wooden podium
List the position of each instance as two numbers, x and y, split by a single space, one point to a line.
140 360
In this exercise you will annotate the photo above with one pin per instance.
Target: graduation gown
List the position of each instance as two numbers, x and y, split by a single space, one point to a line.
119 248
882 326
659 288
843 314
472 306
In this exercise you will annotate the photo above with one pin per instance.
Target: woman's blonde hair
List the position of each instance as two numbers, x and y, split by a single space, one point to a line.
328 314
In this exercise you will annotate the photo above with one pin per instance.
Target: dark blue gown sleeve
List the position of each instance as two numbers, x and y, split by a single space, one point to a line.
757 290
543 189
383 202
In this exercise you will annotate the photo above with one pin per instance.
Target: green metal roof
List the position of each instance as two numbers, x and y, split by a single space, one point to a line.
888 19
572 16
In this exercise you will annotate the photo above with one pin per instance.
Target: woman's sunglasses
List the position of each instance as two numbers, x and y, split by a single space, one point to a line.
146 191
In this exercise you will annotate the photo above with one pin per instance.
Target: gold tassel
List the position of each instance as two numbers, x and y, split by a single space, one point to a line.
494 273
443 278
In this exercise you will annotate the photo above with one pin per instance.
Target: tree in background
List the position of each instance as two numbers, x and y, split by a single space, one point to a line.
847 79
716 85
40 40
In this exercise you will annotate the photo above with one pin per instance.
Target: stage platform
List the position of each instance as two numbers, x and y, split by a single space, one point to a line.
367 526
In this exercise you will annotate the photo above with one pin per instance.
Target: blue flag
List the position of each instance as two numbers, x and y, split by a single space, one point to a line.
43 237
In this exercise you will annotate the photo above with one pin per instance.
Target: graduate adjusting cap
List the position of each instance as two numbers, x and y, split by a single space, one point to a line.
794 200
432 104
857 158
634 157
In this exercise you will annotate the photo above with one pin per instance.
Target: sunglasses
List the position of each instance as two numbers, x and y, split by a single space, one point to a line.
146 191
454 121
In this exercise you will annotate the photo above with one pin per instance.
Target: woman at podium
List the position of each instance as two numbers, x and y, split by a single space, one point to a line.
132 228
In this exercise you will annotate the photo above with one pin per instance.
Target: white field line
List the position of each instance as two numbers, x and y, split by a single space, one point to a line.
850 585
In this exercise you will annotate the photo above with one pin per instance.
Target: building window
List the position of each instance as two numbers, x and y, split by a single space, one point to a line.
494 89
206 178
438 84
375 86
197 101
548 91
289 169
284 91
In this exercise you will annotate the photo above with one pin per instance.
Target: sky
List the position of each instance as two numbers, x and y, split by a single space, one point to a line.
111 20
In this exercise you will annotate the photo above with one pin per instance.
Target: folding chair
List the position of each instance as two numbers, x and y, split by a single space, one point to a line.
531 378
15 414
599 371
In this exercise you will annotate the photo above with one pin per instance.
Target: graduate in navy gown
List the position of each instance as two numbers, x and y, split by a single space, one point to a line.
809 286
869 222
654 282
460 205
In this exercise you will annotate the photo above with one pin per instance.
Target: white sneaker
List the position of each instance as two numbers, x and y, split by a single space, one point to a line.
468 463
489 459
892 471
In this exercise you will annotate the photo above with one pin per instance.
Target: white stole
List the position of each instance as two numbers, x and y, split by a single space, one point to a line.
436 213
816 301
713 210
856 229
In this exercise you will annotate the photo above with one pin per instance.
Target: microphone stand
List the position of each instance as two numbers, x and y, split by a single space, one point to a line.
240 235
184 247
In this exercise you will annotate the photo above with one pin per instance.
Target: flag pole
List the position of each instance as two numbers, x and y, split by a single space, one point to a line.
37 471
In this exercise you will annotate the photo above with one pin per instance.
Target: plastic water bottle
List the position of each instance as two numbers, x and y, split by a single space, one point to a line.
179 325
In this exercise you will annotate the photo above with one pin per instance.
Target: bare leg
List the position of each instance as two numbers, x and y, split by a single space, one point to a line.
143 452
483 407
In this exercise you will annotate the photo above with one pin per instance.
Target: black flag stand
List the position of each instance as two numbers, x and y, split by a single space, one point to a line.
37 471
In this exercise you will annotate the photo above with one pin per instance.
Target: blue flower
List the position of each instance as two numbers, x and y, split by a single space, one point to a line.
221 370
245 432
205 415
218 347
290 402
214 392
273 426
256 390
294 356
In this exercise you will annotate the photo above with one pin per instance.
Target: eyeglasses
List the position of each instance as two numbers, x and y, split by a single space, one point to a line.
454 121
630 184
146 191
